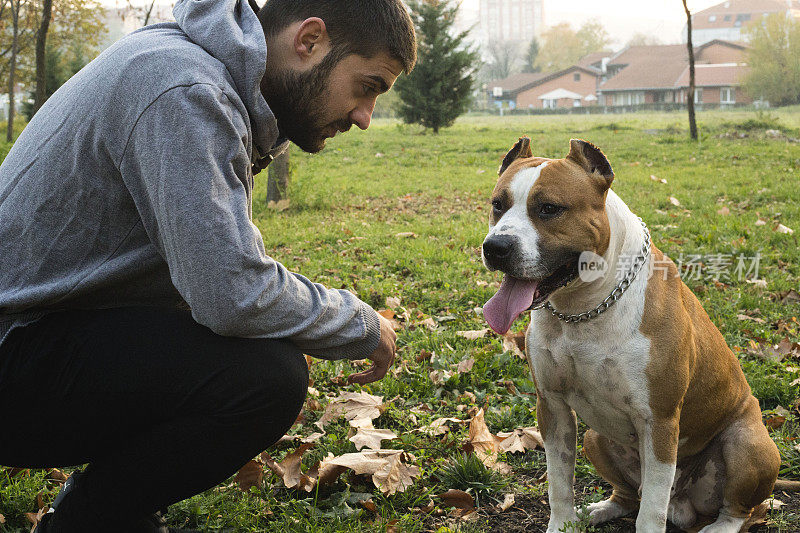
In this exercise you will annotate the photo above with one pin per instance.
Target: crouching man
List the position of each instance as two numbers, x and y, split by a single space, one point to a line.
143 328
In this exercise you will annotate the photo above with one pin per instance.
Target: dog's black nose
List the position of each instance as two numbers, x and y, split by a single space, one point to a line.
498 247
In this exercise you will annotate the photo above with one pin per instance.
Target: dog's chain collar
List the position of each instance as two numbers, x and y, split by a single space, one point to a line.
615 295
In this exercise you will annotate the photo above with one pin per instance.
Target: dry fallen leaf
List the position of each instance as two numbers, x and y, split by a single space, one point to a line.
389 469
780 228
724 211
440 376
359 408
473 334
2 519
505 505
761 222
458 499
515 343
790 296
483 443
406 235
520 440
392 302
465 365
674 201
439 426
371 438
424 355
388 314
250 475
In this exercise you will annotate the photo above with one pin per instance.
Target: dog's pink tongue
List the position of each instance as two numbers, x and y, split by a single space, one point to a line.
514 297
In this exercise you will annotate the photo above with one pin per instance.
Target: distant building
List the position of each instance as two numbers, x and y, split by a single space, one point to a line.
575 86
660 74
493 21
726 21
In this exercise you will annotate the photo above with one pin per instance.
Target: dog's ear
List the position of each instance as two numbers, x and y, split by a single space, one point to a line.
591 159
521 149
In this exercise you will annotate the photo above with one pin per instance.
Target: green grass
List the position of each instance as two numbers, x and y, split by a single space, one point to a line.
349 203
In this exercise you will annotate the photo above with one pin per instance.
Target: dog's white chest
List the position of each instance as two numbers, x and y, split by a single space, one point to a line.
601 378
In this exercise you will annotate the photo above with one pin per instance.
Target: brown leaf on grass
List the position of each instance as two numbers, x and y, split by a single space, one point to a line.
35 518
774 352
429 323
57 475
761 222
465 365
458 499
483 443
369 505
406 235
371 438
292 475
389 469
2 519
250 475
514 342
393 302
674 201
396 475
473 334
439 426
440 376
790 296
752 318
780 228
388 314
359 408
505 505
520 440
424 355
724 211
774 421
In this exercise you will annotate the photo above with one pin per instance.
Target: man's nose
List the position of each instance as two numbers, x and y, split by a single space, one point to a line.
361 116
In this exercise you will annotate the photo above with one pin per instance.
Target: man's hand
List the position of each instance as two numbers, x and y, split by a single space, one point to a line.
382 358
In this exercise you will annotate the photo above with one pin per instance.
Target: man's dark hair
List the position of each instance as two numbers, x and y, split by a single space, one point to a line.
363 27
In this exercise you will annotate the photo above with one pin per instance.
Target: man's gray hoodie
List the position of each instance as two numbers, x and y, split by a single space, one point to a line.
132 185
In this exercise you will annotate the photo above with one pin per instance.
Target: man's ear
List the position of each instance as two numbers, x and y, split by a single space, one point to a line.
591 159
311 37
519 150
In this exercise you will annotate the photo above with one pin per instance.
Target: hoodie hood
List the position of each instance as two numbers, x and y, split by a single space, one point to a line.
230 31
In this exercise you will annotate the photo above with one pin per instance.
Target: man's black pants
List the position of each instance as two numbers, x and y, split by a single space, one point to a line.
161 407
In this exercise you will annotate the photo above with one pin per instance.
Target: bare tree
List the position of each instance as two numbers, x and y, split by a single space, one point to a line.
142 12
690 96
41 59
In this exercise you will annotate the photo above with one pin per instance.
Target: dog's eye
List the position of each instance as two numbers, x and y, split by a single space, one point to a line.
497 205
549 210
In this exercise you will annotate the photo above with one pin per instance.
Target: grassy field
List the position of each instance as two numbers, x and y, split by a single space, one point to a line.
395 212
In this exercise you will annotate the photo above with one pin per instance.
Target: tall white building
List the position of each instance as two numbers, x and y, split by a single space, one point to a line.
509 20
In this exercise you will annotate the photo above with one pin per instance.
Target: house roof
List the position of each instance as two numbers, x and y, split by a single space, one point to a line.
735 13
591 59
558 94
518 83
719 75
647 67
663 66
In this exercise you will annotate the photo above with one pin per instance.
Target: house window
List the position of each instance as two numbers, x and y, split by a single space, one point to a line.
576 103
727 95
712 18
576 76
727 18
698 95
549 104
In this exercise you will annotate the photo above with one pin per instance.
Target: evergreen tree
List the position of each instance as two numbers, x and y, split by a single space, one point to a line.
439 89
531 56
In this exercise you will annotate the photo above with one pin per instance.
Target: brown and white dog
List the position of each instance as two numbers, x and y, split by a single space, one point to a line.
674 426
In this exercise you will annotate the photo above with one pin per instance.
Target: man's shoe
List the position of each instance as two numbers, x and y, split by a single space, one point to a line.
155 523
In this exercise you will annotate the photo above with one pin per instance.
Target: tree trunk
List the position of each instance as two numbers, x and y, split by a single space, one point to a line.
278 180
41 64
12 67
692 121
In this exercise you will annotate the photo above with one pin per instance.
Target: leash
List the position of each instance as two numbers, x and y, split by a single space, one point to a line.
615 295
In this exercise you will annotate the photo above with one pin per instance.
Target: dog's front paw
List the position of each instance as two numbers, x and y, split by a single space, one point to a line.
568 524
604 511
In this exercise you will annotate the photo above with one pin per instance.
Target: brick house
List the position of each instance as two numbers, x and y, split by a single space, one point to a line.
575 86
660 74
726 20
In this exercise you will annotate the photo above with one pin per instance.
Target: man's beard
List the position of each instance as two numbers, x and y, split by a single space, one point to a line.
298 101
